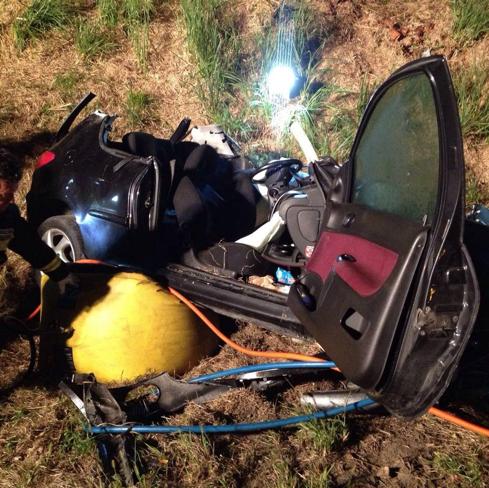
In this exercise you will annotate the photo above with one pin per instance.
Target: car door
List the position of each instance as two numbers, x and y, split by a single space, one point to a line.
390 292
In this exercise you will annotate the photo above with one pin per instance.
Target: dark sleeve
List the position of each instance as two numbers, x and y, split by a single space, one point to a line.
29 245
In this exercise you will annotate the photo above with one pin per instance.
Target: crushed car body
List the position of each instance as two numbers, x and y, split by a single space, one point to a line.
376 266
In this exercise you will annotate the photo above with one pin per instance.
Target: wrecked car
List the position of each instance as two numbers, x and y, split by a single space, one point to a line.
373 249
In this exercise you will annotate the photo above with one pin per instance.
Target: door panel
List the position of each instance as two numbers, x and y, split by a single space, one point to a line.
389 291
357 302
363 265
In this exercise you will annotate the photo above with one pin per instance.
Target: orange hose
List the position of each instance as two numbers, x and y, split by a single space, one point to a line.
449 417
90 261
34 312
244 350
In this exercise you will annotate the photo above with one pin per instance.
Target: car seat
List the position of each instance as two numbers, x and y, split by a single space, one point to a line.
214 205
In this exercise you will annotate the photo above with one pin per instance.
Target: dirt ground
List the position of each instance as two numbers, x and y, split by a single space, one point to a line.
42 442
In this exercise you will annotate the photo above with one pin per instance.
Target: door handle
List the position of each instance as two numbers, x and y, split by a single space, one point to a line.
345 257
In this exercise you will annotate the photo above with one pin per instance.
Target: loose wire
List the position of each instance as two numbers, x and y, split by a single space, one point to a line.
229 428
261 367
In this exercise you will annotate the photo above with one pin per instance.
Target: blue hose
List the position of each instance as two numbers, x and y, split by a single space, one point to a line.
263 367
232 428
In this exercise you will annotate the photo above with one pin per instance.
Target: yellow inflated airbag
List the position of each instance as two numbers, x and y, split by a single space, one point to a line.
126 326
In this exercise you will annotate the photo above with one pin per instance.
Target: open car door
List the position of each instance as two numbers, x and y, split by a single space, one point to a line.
390 292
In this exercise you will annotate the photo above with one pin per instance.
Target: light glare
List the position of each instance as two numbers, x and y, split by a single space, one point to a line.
281 80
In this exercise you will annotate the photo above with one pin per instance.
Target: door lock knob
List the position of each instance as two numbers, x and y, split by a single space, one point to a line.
345 257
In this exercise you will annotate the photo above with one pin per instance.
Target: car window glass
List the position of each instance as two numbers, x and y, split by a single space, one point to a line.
397 160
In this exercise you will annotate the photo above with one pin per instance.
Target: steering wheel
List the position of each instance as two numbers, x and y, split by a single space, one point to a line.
275 165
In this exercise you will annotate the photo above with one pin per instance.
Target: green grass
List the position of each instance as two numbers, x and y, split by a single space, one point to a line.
470 19
18 415
10 445
237 124
138 108
137 15
49 115
38 18
134 17
284 471
325 434
109 12
193 461
328 113
46 111
76 441
283 475
330 118
464 472
139 37
137 11
66 83
154 472
364 95
313 101
342 130
475 192
343 123
472 88
91 40
320 481
214 42
235 94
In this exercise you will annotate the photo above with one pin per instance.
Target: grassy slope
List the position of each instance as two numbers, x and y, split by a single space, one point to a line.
41 443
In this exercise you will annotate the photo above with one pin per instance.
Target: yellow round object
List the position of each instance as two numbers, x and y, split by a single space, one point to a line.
125 326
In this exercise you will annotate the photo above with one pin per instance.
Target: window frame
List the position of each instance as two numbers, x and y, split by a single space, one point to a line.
371 107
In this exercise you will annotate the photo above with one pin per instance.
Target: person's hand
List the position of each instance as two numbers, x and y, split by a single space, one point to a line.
68 289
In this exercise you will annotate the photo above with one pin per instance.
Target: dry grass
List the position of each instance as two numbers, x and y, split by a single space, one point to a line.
41 439
470 19
167 79
38 19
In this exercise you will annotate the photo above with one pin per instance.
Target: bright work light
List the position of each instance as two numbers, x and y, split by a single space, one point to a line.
281 80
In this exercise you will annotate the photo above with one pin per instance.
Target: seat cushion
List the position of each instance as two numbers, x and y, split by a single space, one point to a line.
228 198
